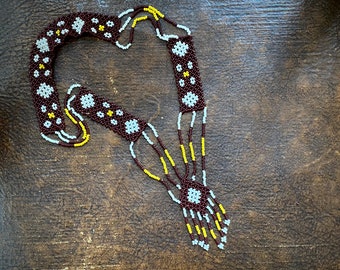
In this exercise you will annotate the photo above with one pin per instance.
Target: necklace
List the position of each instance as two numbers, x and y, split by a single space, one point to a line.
204 215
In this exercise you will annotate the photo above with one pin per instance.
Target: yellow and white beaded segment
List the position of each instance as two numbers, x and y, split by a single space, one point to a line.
191 144
162 160
64 137
204 121
68 103
182 147
214 222
215 213
217 222
157 15
167 154
73 116
201 230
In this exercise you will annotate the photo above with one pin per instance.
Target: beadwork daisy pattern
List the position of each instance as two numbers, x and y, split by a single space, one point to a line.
109 115
131 126
78 25
102 27
41 66
186 74
194 195
87 101
45 90
42 45
51 112
180 48
190 99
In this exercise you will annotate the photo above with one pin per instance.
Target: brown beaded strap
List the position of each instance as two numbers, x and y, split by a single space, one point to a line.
204 215
44 91
108 114
190 93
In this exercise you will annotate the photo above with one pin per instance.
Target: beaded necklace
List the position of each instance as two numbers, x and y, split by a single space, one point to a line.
204 215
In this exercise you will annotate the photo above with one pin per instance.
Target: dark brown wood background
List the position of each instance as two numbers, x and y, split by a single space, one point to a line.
270 71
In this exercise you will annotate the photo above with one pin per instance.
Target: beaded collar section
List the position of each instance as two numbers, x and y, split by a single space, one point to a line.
204 215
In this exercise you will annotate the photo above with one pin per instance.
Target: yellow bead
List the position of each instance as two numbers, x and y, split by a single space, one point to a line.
83 129
189 228
101 27
198 229
138 20
164 165
169 158
71 117
83 142
109 113
203 146
222 209
156 11
148 173
217 225
204 232
192 151
219 217
152 12
184 154
213 233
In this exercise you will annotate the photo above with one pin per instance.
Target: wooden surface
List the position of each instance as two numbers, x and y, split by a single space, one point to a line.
270 71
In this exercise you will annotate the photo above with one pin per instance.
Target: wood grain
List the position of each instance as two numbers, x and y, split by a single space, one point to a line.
270 71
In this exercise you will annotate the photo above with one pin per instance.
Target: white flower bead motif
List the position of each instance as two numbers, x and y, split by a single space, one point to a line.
58 121
54 106
190 99
43 108
78 25
57 40
42 45
179 68
119 112
60 23
106 105
94 30
36 58
180 48
194 195
64 31
95 20
114 122
36 73
49 33
47 73
190 65
110 23
87 101
47 124
46 60
181 82
107 35
100 114
131 126
192 80
45 90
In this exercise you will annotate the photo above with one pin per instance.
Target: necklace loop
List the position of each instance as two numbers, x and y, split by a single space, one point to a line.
203 213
